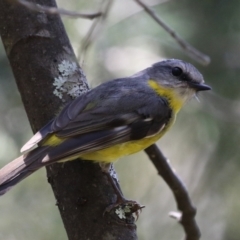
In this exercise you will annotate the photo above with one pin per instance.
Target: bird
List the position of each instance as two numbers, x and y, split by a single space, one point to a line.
115 119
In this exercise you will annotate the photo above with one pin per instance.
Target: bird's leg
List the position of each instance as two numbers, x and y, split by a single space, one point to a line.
111 174
123 206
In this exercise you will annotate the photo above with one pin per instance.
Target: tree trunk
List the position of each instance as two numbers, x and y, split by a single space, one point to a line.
36 43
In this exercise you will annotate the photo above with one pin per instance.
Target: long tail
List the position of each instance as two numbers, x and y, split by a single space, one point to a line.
20 168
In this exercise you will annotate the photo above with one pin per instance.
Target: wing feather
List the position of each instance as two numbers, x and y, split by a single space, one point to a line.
88 143
106 116
28 146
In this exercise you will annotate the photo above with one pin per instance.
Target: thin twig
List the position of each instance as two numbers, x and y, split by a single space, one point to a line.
184 204
54 10
190 50
95 28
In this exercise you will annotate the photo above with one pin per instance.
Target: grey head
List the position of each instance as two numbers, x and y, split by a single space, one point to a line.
174 73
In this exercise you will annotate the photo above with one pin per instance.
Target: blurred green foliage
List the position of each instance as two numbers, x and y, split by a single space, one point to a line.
203 146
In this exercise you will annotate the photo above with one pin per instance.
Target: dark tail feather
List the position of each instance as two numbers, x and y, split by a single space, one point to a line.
6 186
20 168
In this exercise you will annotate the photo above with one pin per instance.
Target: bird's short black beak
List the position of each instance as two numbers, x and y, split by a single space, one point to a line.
199 86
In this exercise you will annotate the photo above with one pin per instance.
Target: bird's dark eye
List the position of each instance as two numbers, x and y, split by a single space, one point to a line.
176 71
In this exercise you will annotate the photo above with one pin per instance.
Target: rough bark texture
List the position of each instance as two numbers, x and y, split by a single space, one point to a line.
35 43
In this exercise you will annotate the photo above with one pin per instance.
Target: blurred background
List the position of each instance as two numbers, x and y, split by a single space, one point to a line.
203 145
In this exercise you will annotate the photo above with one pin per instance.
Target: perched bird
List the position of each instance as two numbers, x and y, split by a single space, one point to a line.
115 119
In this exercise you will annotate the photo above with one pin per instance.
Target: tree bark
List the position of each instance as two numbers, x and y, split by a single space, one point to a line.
36 43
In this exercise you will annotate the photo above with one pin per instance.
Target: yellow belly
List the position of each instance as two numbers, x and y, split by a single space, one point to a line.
117 151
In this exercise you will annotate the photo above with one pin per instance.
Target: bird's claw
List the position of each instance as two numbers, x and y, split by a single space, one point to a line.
125 209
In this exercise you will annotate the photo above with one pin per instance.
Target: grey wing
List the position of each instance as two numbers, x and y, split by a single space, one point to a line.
76 107
143 122
145 126
113 119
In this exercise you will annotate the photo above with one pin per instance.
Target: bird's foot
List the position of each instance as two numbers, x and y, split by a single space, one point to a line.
125 208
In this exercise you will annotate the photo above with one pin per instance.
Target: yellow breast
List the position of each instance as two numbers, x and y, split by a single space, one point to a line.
174 100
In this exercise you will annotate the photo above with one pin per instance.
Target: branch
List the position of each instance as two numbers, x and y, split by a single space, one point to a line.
95 28
184 204
188 48
55 10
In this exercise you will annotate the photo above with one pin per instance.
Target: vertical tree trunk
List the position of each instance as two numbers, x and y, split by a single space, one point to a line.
36 43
